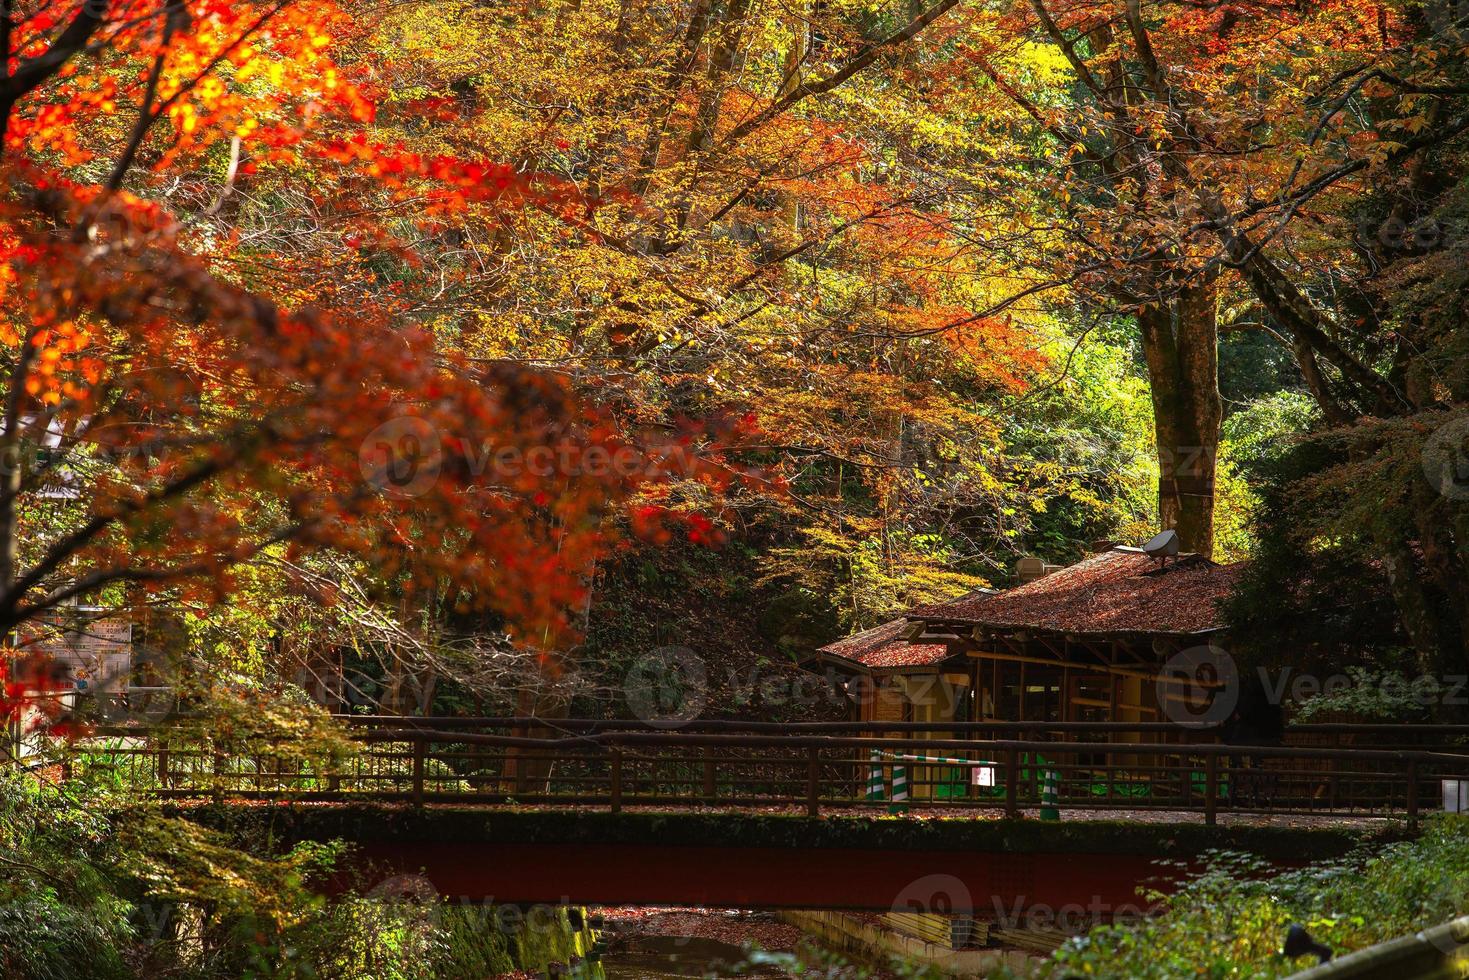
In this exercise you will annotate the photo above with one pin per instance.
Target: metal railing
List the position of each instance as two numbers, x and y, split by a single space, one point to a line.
1439 953
615 765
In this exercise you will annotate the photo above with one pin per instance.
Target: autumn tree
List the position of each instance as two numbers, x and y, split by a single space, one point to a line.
1267 151
778 225
177 407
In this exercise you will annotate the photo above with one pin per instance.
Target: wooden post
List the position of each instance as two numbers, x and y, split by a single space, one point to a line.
1066 696
1211 789
711 787
517 761
813 783
420 752
1012 783
616 787
1412 794
1020 713
218 764
976 689
996 691
163 776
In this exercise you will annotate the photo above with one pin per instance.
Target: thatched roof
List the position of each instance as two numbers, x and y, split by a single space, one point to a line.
883 647
1116 592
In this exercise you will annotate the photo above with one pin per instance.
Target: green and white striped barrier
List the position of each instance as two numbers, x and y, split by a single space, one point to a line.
876 784
1050 797
983 770
984 773
900 790
938 760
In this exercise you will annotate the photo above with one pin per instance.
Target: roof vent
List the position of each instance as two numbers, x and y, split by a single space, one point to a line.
1163 546
1029 569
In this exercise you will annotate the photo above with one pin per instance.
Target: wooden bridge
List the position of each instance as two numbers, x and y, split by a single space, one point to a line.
750 815
818 768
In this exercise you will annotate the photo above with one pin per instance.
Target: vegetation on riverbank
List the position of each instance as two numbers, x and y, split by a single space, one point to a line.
1231 920
96 886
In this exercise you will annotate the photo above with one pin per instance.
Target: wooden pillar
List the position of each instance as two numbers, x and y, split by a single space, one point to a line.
995 688
976 689
1066 693
1412 795
1020 711
813 783
1012 784
420 754
1211 789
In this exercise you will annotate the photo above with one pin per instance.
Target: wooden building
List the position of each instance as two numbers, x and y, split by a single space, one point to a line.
893 679
1119 636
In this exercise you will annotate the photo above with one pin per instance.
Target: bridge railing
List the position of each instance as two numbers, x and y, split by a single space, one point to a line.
615 769
1321 735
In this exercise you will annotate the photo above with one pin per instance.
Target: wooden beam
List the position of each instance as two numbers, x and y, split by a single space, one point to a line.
1088 668
1049 643
1099 703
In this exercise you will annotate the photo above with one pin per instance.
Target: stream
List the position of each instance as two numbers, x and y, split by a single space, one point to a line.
672 957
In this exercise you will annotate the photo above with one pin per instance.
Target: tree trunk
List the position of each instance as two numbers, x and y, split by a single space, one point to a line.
1461 540
528 771
726 38
1296 316
1415 606
1181 343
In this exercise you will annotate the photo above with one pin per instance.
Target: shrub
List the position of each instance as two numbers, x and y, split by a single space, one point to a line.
1230 920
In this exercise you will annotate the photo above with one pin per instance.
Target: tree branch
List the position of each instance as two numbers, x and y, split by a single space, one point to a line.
1068 48
78 539
10 458
859 61
34 71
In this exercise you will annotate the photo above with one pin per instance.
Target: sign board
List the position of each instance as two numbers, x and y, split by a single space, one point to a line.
94 654
94 651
